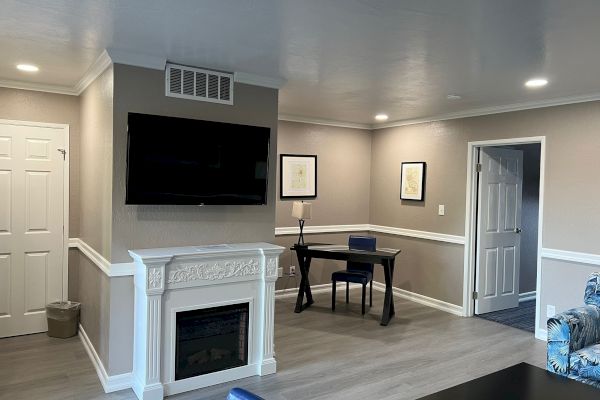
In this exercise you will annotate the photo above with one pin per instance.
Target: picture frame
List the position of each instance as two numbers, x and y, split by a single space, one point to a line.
297 176
412 180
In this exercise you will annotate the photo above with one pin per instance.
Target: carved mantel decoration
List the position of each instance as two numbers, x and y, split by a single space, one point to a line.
211 276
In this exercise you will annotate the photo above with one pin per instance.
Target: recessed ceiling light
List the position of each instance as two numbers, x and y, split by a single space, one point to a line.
27 68
453 97
536 83
381 117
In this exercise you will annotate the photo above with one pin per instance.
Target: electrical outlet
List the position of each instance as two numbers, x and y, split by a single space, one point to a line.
441 209
280 272
550 311
292 270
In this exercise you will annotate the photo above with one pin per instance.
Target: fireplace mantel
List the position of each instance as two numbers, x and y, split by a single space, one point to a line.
168 280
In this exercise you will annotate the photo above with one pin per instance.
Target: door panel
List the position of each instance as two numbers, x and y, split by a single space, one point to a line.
499 219
31 225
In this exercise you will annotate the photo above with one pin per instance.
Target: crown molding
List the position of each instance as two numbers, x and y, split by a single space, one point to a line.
137 59
257 80
98 67
477 112
326 122
38 87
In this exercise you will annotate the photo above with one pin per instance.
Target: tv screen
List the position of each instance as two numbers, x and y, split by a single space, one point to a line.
185 161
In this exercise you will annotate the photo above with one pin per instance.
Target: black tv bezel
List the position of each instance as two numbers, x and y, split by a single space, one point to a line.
208 201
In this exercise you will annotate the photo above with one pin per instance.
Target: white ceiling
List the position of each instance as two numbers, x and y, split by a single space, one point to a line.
342 60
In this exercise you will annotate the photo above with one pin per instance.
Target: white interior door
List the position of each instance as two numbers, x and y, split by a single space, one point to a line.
31 225
498 229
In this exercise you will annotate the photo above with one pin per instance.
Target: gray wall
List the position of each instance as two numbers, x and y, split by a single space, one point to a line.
96 208
96 163
569 202
27 105
143 90
344 173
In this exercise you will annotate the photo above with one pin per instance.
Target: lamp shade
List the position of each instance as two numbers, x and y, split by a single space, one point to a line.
301 210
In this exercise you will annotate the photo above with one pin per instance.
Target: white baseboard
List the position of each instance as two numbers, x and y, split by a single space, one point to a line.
109 383
541 334
401 293
526 296
424 300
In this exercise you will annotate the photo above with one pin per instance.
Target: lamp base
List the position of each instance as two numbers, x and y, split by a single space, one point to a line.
301 237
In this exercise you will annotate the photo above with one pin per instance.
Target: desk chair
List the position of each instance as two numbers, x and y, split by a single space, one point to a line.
356 272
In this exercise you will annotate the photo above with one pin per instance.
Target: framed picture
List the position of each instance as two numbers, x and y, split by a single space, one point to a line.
298 176
412 181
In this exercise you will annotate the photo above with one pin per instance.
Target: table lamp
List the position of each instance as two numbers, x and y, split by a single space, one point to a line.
302 211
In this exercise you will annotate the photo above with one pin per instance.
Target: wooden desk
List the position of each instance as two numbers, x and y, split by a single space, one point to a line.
384 257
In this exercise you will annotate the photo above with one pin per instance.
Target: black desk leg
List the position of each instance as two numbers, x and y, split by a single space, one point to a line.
388 304
304 265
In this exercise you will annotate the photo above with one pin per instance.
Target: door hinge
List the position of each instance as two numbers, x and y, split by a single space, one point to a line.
474 295
63 152
478 167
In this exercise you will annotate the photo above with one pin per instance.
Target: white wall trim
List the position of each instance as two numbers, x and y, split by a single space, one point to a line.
109 383
527 296
399 293
111 270
295 230
476 112
541 334
137 59
470 221
257 80
572 256
326 122
98 67
421 299
38 87
439 237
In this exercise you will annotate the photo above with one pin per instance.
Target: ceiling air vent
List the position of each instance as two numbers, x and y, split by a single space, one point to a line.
199 84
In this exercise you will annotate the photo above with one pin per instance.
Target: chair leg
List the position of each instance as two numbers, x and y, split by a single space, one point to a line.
371 295
333 285
364 292
347 292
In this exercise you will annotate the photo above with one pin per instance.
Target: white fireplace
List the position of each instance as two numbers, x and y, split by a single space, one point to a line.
203 316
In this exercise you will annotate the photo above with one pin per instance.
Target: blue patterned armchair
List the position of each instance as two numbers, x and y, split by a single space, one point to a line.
574 338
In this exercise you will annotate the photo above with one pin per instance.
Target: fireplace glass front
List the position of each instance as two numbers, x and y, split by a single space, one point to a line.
211 339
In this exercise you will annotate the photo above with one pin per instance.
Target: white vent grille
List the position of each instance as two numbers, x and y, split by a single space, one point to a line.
199 84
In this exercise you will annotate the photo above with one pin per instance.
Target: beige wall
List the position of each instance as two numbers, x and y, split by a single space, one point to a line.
96 163
143 90
343 169
27 105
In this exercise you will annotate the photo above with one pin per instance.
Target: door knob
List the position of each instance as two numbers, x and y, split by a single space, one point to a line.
518 230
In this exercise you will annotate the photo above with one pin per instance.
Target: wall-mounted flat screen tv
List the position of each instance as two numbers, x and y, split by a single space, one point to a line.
186 161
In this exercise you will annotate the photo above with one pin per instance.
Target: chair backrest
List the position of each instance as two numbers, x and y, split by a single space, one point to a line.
592 290
365 243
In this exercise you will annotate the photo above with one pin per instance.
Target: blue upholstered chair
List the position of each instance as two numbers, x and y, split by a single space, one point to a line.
241 394
574 338
356 272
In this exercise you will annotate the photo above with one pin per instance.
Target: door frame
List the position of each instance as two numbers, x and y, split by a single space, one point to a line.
471 218
64 128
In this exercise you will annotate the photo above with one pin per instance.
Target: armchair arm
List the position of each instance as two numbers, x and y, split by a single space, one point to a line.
570 331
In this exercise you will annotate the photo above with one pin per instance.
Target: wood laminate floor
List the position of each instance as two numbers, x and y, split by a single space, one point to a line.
321 355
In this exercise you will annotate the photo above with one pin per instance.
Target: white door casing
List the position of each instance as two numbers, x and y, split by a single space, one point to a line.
498 229
32 223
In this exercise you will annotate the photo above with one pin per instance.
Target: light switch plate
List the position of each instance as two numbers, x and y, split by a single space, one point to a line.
441 209
280 272
550 311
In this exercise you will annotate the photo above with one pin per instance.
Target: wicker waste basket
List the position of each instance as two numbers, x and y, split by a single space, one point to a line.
63 318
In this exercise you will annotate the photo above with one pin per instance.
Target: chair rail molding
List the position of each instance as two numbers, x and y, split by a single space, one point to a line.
110 269
573 256
390 230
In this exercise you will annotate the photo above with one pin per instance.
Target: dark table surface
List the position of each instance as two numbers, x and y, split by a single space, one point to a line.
519 382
